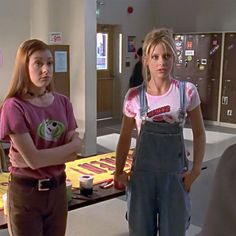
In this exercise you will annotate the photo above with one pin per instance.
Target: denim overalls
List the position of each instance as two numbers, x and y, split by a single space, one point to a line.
156 198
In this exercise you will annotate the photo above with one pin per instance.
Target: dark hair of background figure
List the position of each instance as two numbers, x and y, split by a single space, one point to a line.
136 78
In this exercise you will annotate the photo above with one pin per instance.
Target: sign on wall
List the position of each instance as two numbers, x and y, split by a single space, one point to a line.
55 38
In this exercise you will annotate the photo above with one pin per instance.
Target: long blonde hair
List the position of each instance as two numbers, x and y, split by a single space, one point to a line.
154 37
20 81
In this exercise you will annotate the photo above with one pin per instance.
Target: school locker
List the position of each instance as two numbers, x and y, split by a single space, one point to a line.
228 98
208 58
184 68
198 62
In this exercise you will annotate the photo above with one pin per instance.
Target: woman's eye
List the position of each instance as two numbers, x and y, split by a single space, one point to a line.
154 57
50 63
167 56
38 63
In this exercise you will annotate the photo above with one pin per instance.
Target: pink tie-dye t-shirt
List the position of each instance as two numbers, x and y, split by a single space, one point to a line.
161 108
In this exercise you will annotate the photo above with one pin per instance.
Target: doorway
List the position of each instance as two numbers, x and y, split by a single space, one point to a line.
105 71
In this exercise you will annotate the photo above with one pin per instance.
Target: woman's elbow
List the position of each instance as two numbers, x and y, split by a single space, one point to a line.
32 164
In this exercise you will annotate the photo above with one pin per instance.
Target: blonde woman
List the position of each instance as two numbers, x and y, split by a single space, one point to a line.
159 184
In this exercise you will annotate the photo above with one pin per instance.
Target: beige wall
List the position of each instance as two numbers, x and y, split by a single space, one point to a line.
20 20
196 16
14 28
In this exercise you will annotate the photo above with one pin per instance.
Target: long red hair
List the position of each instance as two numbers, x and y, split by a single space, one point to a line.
20 78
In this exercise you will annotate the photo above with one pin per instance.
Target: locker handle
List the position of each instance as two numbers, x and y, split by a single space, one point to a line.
186 63
198 63
228 80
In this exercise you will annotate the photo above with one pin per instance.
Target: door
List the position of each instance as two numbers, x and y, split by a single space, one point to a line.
105 75
61 69
208 57
228 108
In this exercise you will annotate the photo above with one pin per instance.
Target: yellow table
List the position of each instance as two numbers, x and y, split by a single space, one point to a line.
100 166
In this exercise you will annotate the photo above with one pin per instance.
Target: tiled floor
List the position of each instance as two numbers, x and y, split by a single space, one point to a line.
107 218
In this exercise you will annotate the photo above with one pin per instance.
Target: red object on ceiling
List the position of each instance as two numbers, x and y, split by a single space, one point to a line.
130 9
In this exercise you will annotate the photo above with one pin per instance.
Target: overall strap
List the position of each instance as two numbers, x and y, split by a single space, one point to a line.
182 114
143 101
182 111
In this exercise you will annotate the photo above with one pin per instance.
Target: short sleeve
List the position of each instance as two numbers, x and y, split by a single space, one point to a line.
130 103
12 119
193 99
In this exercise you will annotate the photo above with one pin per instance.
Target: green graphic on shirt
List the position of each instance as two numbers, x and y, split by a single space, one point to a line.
50 130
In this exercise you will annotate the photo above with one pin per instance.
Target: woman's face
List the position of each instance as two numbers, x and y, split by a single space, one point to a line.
160 61
41 68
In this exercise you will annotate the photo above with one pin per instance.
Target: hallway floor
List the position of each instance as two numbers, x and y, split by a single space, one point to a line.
108 218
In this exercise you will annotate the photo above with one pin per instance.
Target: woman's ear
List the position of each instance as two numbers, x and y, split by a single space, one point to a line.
145 60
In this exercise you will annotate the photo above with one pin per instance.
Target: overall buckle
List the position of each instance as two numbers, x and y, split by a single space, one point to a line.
41 185
143 120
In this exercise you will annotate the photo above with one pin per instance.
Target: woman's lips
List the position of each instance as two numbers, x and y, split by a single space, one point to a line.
162 70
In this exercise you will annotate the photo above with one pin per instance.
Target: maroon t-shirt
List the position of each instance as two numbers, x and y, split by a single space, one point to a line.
48 127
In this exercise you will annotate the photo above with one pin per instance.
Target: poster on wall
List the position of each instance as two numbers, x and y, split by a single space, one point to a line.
60 61
131 44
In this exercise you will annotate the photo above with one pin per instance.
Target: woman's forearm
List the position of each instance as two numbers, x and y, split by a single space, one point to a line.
54 156
121 153
198 151
37 158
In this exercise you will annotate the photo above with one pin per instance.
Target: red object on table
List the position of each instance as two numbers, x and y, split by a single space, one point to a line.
119 185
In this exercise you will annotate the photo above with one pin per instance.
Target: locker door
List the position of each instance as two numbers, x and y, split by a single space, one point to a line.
214 76
201 66
179 69
190 55
184 68
228 108
207 69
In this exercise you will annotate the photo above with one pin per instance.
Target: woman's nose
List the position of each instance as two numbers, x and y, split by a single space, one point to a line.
162 60
46 68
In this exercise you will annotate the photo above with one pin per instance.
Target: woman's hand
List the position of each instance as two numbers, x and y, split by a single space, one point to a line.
72 157
189 177
78 142
122 178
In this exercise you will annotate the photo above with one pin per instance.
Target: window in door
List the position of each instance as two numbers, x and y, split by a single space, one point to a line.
102 53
